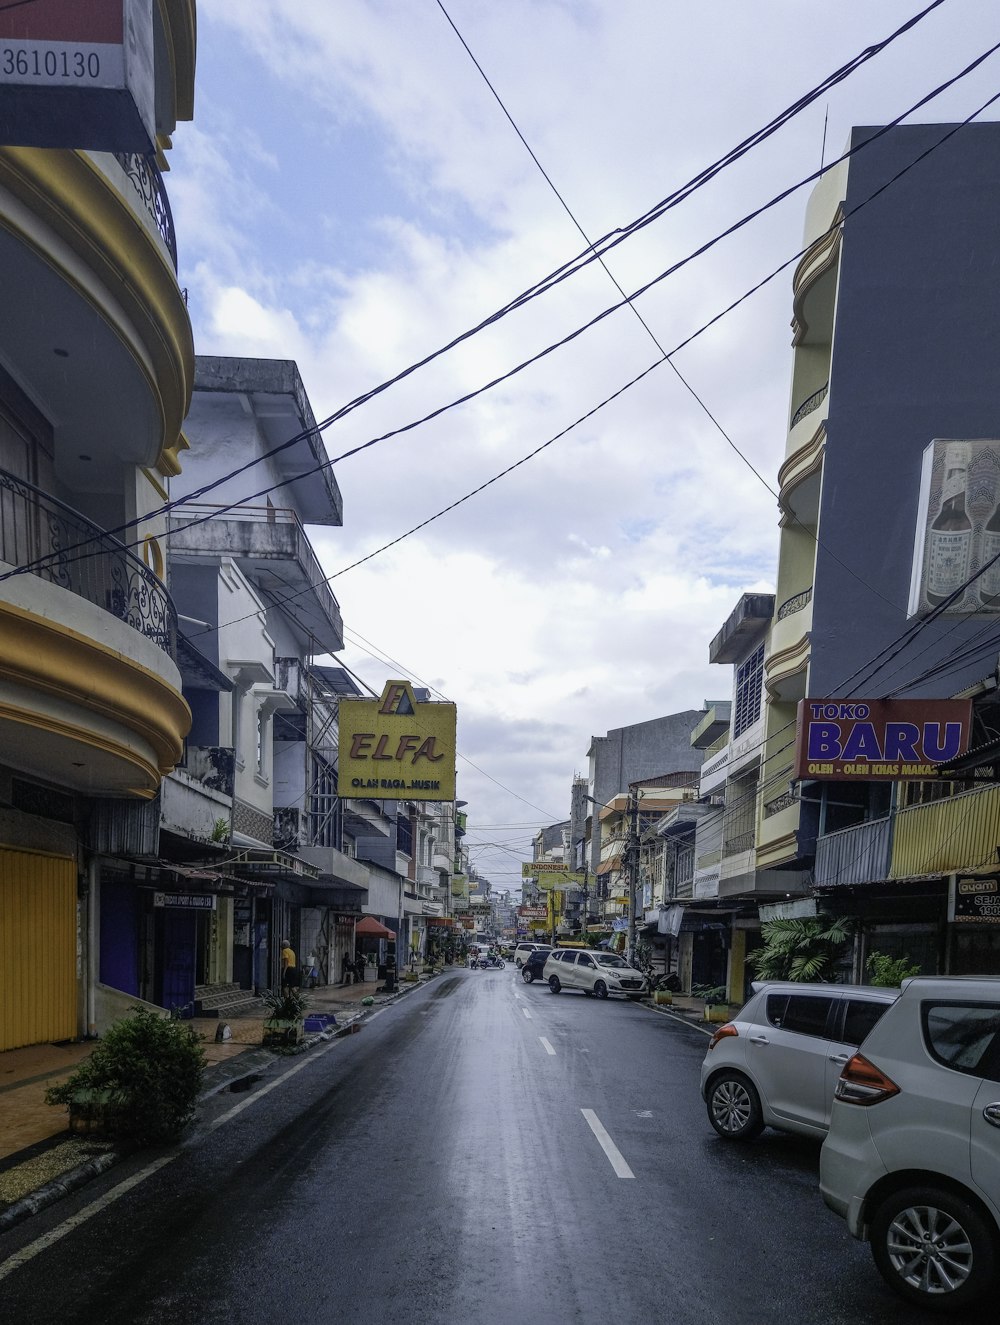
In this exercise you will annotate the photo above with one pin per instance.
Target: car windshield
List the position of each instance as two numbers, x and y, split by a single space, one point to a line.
610 959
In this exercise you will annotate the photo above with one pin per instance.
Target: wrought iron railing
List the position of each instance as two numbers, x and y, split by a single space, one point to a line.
783 802
148 184
42 536
813 402
735 845
795 604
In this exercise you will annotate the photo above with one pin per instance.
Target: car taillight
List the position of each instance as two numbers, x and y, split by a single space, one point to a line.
861 1082
721 1034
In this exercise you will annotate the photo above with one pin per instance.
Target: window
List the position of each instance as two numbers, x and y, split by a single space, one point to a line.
807 1014
964 1037
860 1015
749 679
585 960
567 957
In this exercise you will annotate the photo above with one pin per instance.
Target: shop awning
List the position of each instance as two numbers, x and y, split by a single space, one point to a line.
369 927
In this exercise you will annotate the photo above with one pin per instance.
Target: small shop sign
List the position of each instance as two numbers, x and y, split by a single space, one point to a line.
185 901
973 901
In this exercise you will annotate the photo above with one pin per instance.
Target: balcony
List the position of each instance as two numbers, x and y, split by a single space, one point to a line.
88 635
785 664
93 315
41 536
859 854
271 547
946 836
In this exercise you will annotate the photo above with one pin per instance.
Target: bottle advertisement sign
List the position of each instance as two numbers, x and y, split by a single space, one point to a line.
396 747
843 740
956 551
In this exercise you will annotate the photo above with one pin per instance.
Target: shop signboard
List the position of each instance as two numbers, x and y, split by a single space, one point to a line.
552 874
974 901
885 740
396 747
185 901
533 912
77 74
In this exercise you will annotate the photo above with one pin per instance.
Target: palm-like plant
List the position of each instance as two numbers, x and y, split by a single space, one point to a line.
804 949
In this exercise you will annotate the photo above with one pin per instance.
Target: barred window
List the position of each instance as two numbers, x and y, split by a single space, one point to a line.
749 678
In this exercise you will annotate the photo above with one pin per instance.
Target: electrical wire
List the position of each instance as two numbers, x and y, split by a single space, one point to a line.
464 399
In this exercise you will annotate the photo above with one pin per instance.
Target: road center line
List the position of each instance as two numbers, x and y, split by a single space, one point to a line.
607 1145
548 1047
526 1013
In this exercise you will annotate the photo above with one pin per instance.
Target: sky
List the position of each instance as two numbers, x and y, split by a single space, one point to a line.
352 195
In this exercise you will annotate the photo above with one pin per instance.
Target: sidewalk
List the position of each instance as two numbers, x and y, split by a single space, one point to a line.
41 1160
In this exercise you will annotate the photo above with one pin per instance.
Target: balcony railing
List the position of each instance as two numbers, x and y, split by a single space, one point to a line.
813 402
39 535
794 604
148 184
859 854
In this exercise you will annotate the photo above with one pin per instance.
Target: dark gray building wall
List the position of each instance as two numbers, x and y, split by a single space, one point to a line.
644 750
916 355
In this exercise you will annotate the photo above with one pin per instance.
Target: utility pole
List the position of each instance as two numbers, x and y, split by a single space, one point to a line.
632 856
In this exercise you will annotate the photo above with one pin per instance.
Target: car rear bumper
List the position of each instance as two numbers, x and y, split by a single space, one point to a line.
849 1165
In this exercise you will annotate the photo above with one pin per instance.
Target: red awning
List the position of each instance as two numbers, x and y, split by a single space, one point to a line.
369 927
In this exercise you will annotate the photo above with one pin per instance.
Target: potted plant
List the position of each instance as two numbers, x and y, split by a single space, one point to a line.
141 1083
284 1025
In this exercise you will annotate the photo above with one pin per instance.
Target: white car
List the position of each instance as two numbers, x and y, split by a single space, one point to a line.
598 974
776 1064
912 1159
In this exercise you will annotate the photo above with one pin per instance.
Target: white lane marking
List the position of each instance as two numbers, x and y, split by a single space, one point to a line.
547 1046
516 994
644 1113
54 1235
526 1013
607 1145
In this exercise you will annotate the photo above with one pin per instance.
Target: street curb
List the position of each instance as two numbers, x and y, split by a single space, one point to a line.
676 1016
223 1076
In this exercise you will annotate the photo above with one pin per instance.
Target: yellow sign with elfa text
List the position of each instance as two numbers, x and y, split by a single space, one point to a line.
396 747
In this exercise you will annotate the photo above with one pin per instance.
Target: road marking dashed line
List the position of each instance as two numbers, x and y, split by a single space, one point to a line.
614 1155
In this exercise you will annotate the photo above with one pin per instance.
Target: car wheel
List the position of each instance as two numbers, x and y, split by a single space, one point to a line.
932 1247
527 977
554 984
600 989
734 1108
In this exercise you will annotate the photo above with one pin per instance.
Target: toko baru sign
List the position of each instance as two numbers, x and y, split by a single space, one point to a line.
396 747
882 739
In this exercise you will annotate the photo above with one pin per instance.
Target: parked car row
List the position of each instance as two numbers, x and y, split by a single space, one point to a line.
911 1155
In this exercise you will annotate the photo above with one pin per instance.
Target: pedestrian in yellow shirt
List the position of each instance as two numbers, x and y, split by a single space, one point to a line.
290 974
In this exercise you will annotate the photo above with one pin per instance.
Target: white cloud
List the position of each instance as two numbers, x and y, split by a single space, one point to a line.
351 196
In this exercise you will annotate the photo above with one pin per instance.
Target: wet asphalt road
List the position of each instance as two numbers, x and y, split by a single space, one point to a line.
440 1167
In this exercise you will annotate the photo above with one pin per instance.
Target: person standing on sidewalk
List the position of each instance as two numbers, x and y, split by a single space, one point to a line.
290 973
348 968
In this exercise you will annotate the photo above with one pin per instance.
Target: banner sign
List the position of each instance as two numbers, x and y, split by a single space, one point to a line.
185 901
396 748
879 739
533 912
974 901
957 543
77 74
531 868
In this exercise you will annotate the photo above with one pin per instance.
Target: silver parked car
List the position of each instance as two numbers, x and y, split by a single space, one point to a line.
912 1159
597 973
776 1064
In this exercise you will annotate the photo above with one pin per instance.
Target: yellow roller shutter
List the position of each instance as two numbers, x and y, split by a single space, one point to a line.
38 979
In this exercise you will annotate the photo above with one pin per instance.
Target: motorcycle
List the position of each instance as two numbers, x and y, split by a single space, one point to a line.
492 964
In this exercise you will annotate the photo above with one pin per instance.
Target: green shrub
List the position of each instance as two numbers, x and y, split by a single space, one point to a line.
149 1069
288 1004
890 972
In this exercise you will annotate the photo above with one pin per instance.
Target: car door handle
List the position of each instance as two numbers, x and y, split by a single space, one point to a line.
758 1039
840 1058
992 1114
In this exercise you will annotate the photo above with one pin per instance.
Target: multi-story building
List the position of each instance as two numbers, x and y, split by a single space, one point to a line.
893 308
96 366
